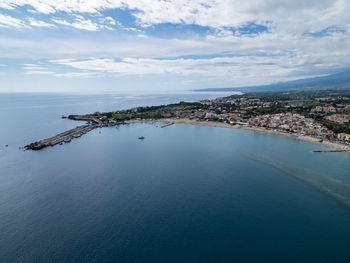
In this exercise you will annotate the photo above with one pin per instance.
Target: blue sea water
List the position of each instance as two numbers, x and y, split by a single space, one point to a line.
184 194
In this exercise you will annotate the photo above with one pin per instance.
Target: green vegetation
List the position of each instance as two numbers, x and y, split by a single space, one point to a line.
334 126
154 112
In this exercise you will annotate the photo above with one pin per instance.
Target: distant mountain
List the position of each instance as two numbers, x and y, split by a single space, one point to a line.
335 81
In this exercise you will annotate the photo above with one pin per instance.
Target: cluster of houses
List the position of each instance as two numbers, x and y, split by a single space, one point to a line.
293 123
239 110
239 102
209 115
331 109
219 110
339 118
326 109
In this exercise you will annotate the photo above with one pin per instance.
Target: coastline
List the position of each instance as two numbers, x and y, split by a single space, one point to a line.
333 145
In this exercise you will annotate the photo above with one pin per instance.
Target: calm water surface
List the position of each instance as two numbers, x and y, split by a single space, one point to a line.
184 194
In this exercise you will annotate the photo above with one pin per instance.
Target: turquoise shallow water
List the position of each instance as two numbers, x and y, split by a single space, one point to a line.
184 194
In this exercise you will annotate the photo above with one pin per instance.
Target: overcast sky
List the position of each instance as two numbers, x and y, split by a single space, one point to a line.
169 45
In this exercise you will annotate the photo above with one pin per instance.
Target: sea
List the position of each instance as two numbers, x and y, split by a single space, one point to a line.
185 193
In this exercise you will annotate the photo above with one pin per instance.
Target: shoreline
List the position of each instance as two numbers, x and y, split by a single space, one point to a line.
333 145
77 132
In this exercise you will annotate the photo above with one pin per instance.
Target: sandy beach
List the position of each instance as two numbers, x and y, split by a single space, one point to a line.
333 145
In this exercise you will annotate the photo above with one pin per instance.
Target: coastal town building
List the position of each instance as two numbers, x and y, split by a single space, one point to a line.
343 137
211 116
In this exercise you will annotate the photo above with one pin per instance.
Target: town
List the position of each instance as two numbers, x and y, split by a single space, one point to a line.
322 114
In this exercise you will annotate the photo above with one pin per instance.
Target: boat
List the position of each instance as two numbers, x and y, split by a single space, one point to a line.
141 138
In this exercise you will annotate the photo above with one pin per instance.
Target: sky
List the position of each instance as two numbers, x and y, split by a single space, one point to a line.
168 45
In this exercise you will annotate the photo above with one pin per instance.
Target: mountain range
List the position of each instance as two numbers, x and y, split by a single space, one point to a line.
334 81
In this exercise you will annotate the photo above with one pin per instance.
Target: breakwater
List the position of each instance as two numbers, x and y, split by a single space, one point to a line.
166 125
329 151
93 122
64 137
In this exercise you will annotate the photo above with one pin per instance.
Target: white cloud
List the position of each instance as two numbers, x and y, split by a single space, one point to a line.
287 51
286 15
5 5
110 20
71 6
76 74
39 69
61 22
11 22
84 24
79 23
39 23
39 72
264 58
35 69
236 70
141 36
